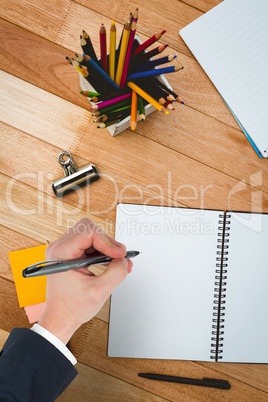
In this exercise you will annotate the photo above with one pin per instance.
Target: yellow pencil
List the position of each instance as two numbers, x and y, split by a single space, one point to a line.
81 69
122 54
146 96
112 50
133 114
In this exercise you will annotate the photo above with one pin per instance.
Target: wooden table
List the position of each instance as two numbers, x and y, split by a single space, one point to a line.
196 157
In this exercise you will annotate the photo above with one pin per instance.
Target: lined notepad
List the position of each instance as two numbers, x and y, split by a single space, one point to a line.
230 43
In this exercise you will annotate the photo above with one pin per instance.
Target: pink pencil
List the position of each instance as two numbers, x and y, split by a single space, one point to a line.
111 102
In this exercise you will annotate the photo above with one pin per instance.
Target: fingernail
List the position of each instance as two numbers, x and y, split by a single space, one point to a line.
120 246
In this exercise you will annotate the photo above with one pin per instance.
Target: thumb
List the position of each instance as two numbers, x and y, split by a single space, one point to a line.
114 274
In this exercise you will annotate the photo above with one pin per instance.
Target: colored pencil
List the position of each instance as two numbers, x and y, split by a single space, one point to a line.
101 72
148 43
120 106
170 91
122 54
99 84
128 53
110 102
105 117
155 71
89 94
145 95
147 55
133 114
154 63
141 109
152 89
110 95
103 47
112 50
87 46
113 121
82 70
109 123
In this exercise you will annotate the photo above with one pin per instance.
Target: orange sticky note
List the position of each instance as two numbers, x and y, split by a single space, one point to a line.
29 290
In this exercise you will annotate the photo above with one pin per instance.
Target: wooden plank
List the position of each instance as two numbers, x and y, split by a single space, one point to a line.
64 21
60 124
3 337
18 242
43 18
91 384
210 142
49 71
11 314
177 181
52 73
40 172
203 5
90 343
35 214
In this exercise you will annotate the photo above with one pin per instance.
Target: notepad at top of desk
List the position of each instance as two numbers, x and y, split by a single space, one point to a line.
230 43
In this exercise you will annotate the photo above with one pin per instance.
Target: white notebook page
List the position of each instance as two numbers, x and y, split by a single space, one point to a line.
230 43
246 323
164 307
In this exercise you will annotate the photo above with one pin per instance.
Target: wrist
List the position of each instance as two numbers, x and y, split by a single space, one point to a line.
62 330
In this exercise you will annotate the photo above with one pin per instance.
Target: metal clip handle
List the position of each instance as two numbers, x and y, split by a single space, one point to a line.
74 178
68 165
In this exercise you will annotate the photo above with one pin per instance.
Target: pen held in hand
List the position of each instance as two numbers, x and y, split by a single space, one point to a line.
56 266
204 382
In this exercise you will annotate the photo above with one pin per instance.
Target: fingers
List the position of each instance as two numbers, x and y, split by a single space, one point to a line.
84 235
114 274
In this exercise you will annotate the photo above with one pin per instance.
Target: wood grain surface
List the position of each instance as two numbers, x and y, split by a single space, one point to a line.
197 156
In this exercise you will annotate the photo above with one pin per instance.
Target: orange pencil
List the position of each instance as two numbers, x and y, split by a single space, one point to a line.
133 115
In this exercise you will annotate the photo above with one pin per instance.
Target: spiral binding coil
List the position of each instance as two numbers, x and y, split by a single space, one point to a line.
220 287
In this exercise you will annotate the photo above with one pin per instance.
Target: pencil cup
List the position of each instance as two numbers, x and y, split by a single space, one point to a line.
124 124
126 84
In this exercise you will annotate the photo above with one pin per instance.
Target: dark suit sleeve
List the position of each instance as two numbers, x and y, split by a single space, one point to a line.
32 369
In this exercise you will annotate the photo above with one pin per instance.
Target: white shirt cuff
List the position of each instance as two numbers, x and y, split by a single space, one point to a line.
55 341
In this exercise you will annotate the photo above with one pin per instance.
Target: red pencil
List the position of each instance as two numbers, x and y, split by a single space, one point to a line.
148 43
142 58
103 48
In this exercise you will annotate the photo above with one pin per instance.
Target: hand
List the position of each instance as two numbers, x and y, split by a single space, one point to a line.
75 296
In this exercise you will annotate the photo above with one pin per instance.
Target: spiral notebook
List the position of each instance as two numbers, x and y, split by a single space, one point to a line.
230 43
198 290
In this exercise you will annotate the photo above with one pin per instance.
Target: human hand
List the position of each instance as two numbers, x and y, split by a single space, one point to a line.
75 296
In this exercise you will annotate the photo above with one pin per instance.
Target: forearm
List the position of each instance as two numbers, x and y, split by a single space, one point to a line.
31 368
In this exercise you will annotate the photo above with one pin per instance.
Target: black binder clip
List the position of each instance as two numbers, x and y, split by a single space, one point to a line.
74 178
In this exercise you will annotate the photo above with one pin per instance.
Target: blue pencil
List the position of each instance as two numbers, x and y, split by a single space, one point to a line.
156 71
155 62
100 71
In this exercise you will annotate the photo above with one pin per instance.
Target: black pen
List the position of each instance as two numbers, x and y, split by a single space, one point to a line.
204 382
56 266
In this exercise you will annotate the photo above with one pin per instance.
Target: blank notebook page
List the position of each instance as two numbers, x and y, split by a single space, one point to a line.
231 44
164 307
246 325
